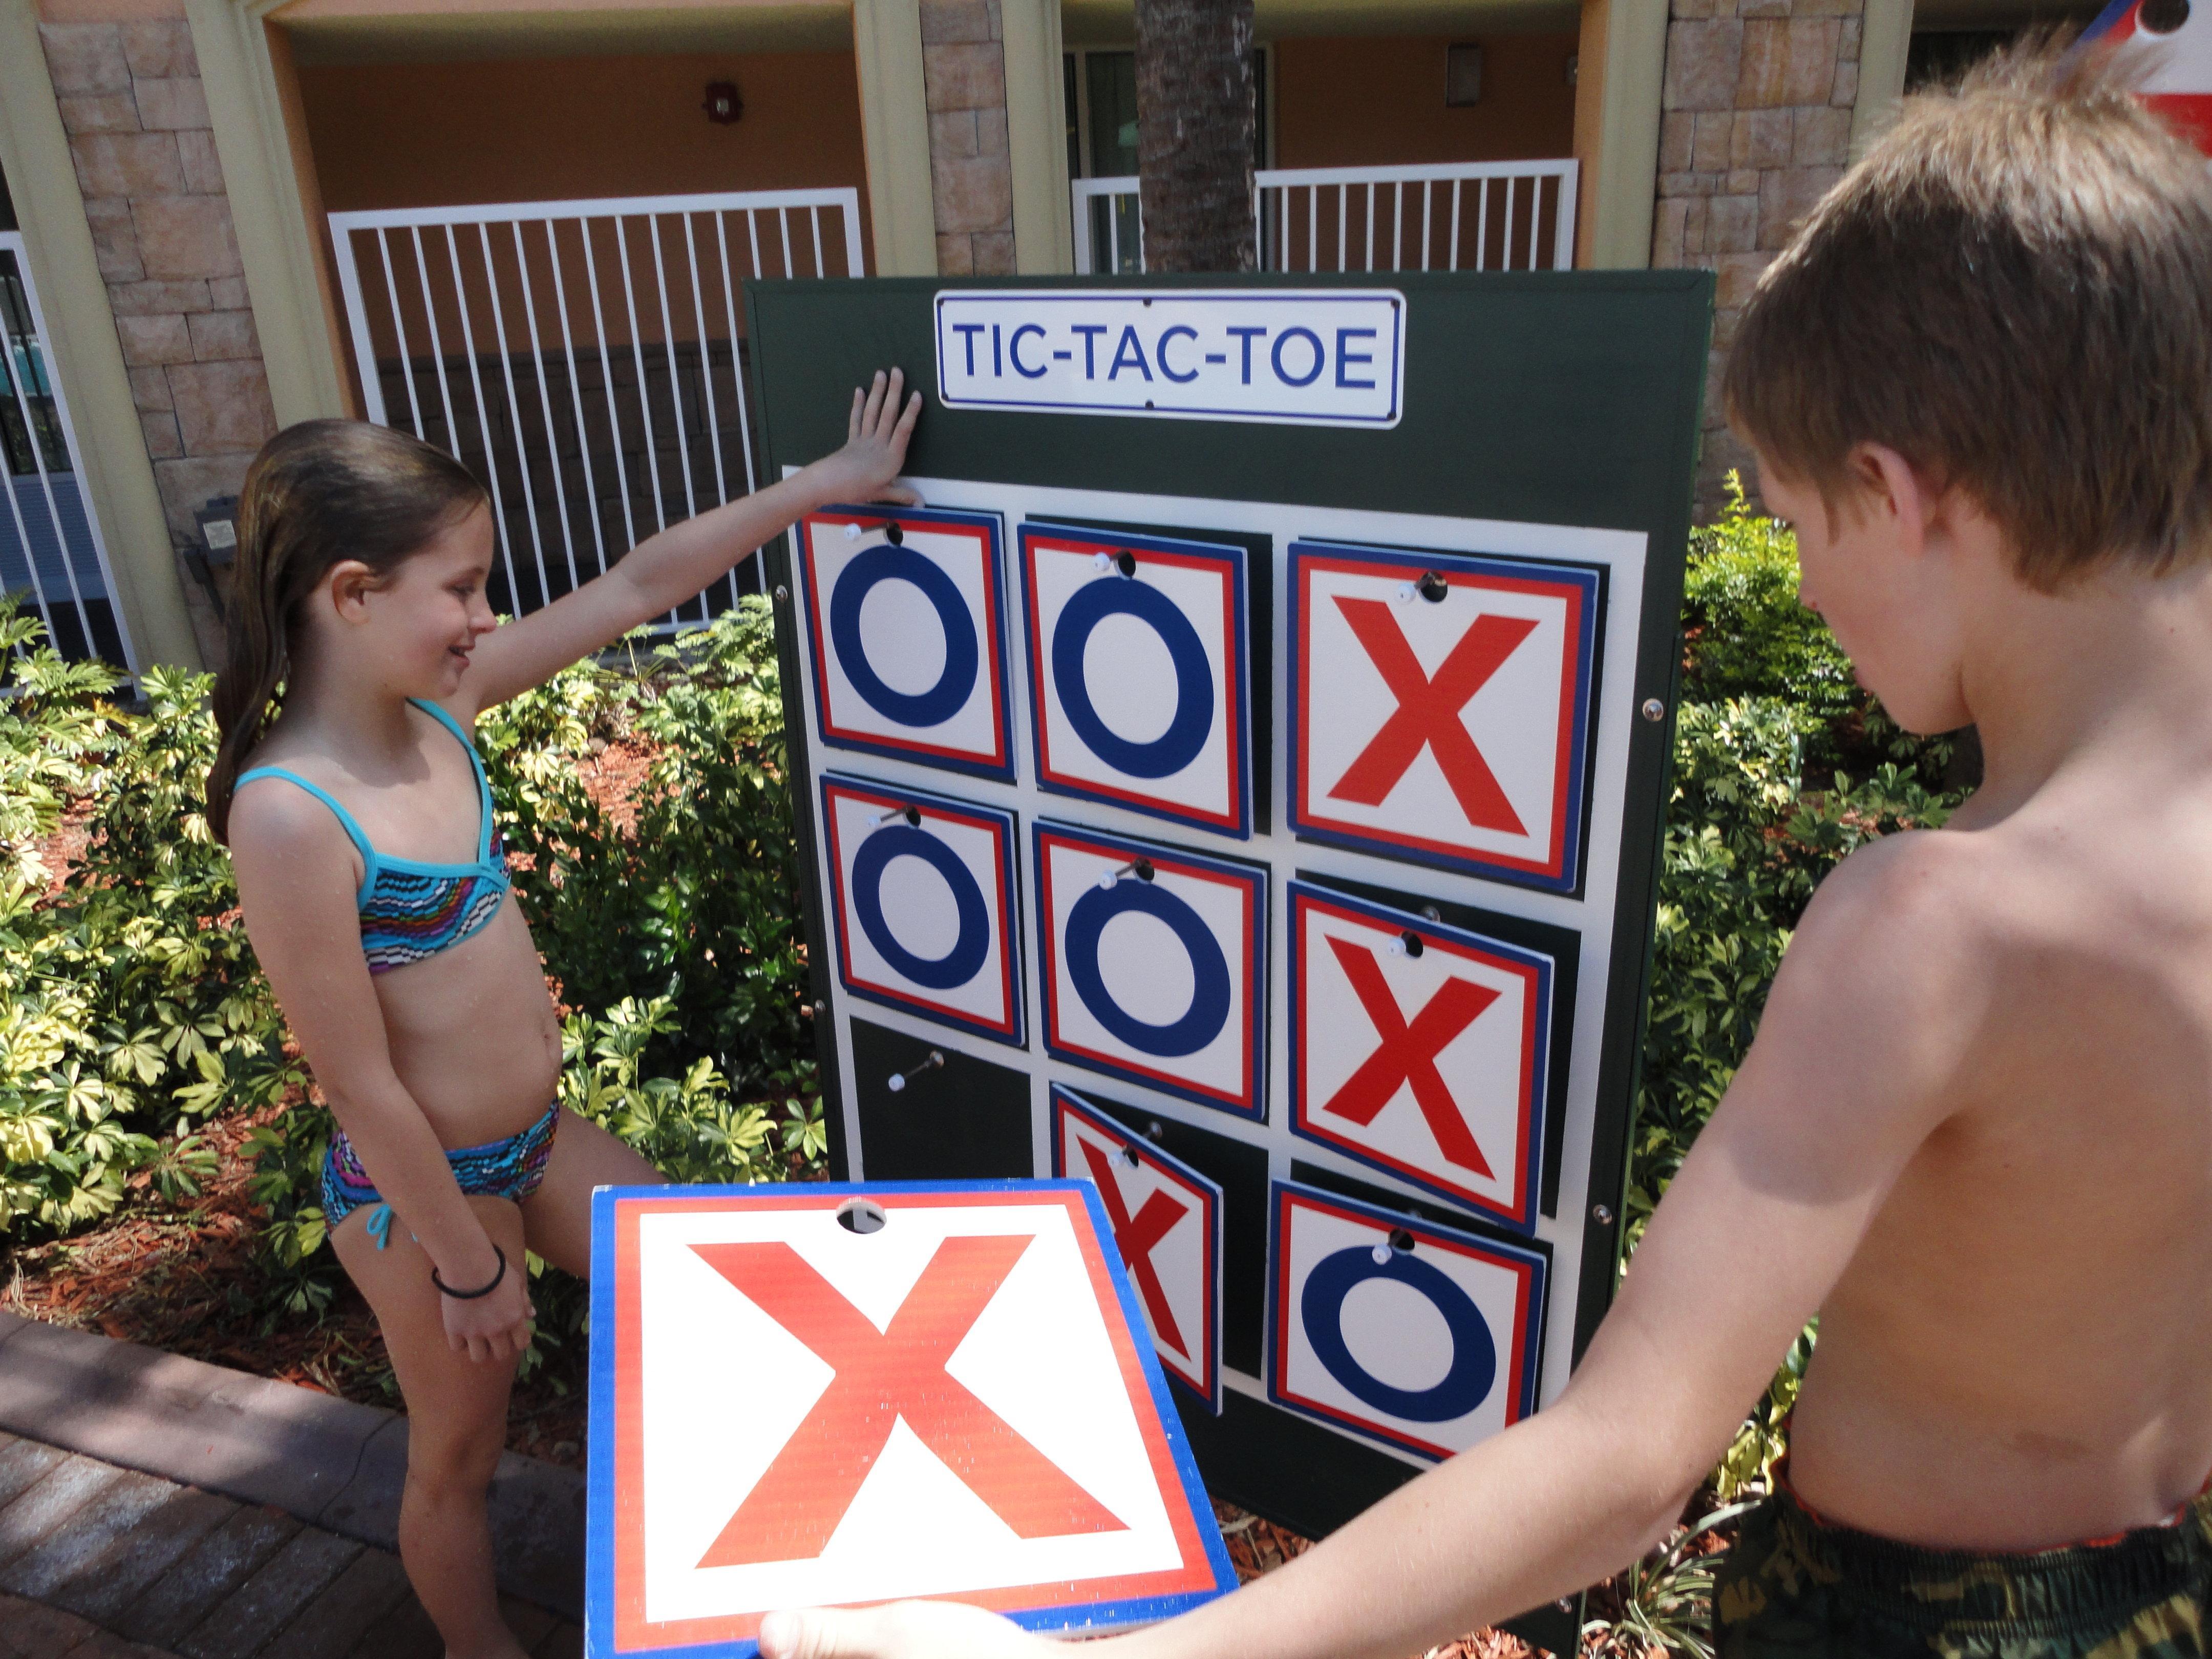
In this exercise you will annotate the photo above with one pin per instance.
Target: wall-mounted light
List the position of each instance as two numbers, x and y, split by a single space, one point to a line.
723 105
1462 76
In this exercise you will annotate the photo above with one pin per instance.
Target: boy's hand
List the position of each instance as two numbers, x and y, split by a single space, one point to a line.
904 1630
875 450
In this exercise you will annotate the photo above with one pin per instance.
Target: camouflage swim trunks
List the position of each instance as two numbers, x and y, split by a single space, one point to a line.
1798 1586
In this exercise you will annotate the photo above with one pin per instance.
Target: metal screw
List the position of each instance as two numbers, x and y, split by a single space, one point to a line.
1602 1214
1654 710
781 591
1566 1604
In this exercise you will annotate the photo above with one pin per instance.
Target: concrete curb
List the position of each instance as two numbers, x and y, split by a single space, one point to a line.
330 1462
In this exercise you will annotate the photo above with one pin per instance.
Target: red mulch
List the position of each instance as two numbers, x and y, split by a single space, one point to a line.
612 773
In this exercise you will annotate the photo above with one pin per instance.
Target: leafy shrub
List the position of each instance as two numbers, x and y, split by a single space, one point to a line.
129 1002
132 1007
698 905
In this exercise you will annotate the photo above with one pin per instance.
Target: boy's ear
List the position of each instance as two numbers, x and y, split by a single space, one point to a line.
351 583
1896 495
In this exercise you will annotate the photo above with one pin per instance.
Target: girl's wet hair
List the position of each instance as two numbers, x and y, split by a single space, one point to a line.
318 493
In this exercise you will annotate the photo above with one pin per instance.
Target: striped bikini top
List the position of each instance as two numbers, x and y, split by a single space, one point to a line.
411 910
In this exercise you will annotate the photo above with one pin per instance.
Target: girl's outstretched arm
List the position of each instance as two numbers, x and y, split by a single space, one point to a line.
663 571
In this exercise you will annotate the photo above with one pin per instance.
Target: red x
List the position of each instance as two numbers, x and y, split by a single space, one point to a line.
1407 1054
1427 714
1155 1219
883 1375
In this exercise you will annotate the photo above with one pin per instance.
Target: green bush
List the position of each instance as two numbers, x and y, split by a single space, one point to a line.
130 1003
699 906
131 1008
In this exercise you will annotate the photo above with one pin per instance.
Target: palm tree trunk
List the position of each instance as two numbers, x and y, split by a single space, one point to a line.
1194 124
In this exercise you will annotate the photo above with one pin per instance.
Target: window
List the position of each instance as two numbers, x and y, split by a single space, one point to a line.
1100 93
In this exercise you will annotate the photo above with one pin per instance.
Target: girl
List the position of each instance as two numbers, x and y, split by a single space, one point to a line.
375 893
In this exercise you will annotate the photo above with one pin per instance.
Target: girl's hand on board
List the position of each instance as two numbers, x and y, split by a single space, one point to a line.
875 449
904 1630
493 1327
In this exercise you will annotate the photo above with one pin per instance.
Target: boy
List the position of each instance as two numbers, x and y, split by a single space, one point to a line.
1975 1133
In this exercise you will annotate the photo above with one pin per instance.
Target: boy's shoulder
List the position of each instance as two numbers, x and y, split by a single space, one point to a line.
1886 995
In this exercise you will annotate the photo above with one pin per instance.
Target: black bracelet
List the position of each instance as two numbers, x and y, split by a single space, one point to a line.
471 1296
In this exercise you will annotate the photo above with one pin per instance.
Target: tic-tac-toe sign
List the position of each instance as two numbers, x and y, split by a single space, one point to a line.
810 1396
1442 706
1166 1218
1339 1352
1152 964
1298 892
1420 1049
924 905
1138 685
905 621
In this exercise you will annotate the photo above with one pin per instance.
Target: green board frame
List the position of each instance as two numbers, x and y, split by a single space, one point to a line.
1568 398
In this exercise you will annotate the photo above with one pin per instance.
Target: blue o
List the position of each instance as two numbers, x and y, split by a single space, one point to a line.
1177 746
1313 343
1474 1355
965 959
955 683
1201 1022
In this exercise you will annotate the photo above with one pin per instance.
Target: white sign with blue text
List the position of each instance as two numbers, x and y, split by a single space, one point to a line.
1327 357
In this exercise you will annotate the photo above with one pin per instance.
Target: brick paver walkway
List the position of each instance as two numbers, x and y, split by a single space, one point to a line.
97 1562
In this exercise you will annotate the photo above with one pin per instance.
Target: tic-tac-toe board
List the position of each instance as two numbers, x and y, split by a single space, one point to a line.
816 1395
1240 787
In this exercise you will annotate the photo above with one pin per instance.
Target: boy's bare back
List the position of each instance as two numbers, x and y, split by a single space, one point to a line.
2015 1355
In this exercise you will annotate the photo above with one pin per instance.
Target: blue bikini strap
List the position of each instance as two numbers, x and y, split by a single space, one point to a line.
476 761
345 819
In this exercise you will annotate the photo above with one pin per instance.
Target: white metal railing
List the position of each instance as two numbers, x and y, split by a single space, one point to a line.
586 359
50 552
1450 216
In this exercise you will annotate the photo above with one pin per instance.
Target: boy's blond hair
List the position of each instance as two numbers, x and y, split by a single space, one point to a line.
2013 290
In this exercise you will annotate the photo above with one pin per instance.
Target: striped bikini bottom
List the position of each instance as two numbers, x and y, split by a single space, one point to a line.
511 1168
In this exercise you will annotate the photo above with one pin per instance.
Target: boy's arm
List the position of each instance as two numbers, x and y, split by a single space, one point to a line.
664 571
1855 1064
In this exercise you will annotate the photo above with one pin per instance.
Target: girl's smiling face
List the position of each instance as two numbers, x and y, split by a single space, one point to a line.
432 612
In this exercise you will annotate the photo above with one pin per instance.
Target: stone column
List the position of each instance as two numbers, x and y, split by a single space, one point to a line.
131 102
1756 125
964 65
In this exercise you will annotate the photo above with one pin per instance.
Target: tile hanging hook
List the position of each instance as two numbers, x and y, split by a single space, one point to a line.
897 1081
